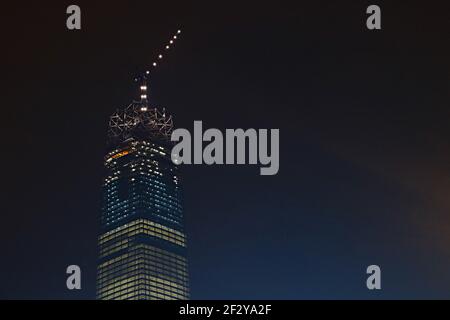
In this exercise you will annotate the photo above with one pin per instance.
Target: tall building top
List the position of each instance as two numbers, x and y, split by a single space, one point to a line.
142 241
139 120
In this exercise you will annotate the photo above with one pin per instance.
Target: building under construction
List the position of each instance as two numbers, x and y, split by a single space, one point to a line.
142 243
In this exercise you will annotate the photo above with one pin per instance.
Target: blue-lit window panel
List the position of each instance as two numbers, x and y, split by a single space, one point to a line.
142 244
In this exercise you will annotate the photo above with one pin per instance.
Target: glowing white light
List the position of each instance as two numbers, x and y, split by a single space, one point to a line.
143 108
143 96
143 88
154 64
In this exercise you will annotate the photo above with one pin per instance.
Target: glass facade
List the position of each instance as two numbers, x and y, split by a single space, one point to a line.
142 243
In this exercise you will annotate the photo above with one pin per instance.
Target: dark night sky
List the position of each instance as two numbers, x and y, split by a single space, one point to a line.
365 142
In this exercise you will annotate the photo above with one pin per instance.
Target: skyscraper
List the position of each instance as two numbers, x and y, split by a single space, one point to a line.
142 243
